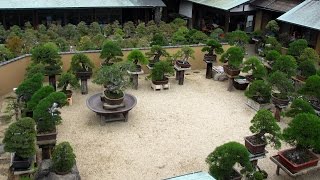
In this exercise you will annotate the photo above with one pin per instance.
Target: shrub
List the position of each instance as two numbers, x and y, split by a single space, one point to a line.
234 56
66 79
255 65
306 68
62 44
265 127
98 41
159 39
272 27
14 44
282 83
198 37
216 34
136 56
82 28
272 55
303 131
20 138
86 44
81 63
179 37
272 44
29 86
110 52
224 157
63 158
238 38
299 106
286 64
311 87
38 96
129 28
33 69
309 54
297 47
212 47
259 91
160 69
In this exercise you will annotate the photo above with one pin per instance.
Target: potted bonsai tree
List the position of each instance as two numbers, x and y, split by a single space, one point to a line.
37 97
159 71
272 56
258 71
299 106
266 131
67 79
297 47
234 56
237 38
309 54
303 133
19 139
311 90
272 28
283 85
186 53
156 52
222 160
136 56
212 48
110 53
115 79
48 55
82 67
286 64
29 86
63 158
259 94
306 69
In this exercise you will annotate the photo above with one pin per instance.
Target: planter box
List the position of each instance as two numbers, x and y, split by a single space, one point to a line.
231 72
256 106
46 138
279 102
21 164
253 148
297 167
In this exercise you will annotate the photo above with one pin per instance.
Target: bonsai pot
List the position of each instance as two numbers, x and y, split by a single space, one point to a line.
182 64
257 104
111 100
309 159
161 82
19 163
210 58
230 71
84 74
279 102
240 83
138 68
46 136
254 144
315 104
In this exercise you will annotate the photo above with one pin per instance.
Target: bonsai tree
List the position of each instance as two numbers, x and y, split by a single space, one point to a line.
212 48
286 64
67 79
33 69
136 56
158 39
19 138
38 96
110 53
297 47
224 157
266 129
272 28
311 90
156 52
255 65
299 106
283 85
237 38
234 56
306 69
47 55
159 71
271 43
217 34
272 56
186 53
29 86
259 91
63 158
309 54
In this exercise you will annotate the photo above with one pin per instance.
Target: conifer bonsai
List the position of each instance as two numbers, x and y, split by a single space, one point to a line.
63 158
306 69
283 85
156 52
111 53
253 64
29 86
212 48
311 90
237 38
136 56
272 56
159 71
185 53
38 96
299 106
234 56
297 47
259 91
286 64
67 79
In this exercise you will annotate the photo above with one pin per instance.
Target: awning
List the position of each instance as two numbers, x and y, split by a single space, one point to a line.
61 4
276 5
306 14
220 4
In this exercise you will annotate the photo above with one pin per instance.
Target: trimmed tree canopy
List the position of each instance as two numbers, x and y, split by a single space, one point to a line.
63 158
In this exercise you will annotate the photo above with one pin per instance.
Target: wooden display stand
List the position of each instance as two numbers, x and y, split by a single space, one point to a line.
209 73
160 87
46 148
134 78
180 73
15 174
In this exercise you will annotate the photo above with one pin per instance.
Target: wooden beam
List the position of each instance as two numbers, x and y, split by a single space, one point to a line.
318 43
227 21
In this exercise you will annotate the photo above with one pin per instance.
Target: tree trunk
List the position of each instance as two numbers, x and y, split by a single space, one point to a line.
52 81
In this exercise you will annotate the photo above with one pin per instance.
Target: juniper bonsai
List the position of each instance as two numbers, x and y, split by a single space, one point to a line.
80 63
38 96
299 106
63 158
29 86
234 56
160 69
255 65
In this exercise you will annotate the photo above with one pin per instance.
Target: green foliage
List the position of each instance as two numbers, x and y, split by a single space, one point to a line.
63 158
311 87
179 37
282 83
110 52
156 52
272 44
286 64
238 38
272 55
129 28
20 138
45 120
98 40
159 39
307 68
5 54
136 56
297 47
178 22
186 53
62 44
299 106
264 125
224 157
29 86
160 69
198 37
272 26
38 96
303 131
259 91
82 28
234 56
94 29
141 30
86 44
212 47
81 63
255 65
216 34
309 54
70 33
33 69
14 44
66 79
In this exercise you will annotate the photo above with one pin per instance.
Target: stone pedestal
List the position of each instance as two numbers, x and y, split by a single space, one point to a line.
180 73
134 78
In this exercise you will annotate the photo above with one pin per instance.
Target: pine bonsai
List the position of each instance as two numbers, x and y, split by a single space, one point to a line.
160 69
297 47
38 96
81 63
136 56
282 83
187 53
234 56
33 69
272 56
29 86
255 65
299 106
159 39
286 64
306 69
272 27
212 47
63 158
271 43
259 91
110 53
156 52
67 79
311 88
309 54
237 38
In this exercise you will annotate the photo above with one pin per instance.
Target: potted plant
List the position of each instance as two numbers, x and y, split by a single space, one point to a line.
115 79
303 133
48 55
240 82
286 64
159 71
19 139
63 158
82 67
272 56
272 28
186 53
297 47
305 70
37 97
284 87
258 71
29 86
110 53
311 90
309 54
212 48
156 52
222 160
299 106
266 131
234 56
237 38
67 79
136 56
259 94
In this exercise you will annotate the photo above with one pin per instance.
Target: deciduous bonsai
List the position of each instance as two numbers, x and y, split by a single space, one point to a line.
136 56
111 53
311 90
67 79
234 56
159 71
283 86
156 52
299 106
212 48
259 91
63 158
266 131
258 71
222 160
186 53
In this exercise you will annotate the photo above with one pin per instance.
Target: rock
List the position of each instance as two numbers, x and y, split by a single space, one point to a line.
45 173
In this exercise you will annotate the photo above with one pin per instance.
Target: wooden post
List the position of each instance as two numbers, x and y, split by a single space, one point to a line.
84 86
277 113
230 85
209 70
318 43
177 75
134 79
181 77
52 81
227 21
